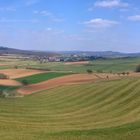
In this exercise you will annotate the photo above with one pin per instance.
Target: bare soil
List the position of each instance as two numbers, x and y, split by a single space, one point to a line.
8 82
17 73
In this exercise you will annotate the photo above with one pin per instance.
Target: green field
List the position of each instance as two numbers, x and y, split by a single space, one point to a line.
108 65
33 79
98 111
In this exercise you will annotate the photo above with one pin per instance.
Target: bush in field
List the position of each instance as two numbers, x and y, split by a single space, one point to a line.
123 73
89 71
2 95
25 82
137 68
3 76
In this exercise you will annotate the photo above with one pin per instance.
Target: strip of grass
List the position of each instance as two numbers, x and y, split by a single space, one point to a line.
37 78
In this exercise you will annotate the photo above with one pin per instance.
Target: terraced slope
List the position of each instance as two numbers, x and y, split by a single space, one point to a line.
100 111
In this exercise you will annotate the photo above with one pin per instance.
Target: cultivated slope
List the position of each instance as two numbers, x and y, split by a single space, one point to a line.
100 111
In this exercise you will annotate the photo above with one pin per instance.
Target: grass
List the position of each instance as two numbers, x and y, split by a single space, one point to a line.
99 111
108 65
33 79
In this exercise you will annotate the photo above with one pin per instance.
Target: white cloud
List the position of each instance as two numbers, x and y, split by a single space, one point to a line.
111 4
100 23
49 29
134 18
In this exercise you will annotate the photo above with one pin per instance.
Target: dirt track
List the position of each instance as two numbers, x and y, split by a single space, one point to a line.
17 73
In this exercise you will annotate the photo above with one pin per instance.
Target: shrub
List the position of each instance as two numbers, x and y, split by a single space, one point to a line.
123 73
137 68
89 71
2 95
25 82
107 77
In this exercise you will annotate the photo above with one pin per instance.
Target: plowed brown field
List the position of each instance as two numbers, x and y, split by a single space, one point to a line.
71 79
17 73
8 82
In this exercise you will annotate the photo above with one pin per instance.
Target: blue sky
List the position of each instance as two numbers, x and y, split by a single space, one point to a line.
58 25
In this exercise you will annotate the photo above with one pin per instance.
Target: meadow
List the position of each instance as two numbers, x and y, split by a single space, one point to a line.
108 110
97 110
108 65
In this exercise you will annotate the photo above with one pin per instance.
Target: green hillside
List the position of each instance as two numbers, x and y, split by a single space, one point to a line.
99 111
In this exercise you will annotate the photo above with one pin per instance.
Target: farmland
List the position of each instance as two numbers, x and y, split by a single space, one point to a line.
102 111
33 79
70 70
114 65
108 65
68 103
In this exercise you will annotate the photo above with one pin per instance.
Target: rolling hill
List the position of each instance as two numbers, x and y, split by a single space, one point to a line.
6 50
98 111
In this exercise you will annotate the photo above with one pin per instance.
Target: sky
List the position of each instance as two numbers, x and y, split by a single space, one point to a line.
68 25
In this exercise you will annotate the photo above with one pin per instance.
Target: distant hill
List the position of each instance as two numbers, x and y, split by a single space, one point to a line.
6 50
108 54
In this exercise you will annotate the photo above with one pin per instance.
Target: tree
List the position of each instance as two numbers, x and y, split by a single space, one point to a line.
25 82
89 71
123 73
